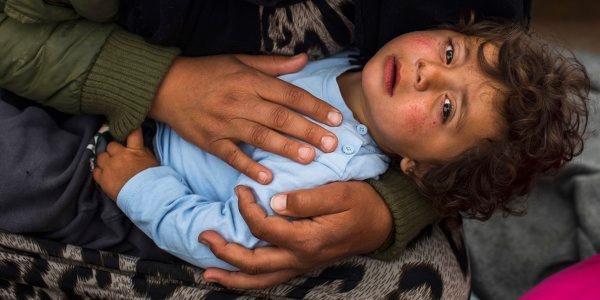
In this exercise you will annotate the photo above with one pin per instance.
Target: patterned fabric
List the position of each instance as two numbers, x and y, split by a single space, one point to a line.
319 28
204 27
434 266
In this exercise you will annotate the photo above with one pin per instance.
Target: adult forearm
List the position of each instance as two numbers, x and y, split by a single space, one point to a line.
48 61
81 66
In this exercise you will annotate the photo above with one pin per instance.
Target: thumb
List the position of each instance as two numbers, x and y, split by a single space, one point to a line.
275 64
306 204
135 140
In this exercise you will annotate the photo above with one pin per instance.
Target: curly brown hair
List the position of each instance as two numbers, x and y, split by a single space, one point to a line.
545 92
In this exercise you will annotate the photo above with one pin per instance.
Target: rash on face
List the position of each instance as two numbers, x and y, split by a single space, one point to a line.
415 119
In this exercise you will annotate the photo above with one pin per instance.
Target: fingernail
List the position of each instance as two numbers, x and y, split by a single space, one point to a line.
203 241
328 142
236 189
305 153
279 202
334 117
262 177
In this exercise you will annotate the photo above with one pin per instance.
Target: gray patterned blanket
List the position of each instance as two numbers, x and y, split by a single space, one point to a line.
434 266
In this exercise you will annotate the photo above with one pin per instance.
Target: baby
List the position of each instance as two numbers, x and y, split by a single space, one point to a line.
472 114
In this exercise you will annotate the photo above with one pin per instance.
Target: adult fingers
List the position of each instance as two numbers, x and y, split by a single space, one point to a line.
287 94
292 99
273 229
251 261
229 152
270 140
246 281
323 200
267 119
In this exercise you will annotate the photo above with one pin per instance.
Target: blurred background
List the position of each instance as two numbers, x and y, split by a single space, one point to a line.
562 225
575 23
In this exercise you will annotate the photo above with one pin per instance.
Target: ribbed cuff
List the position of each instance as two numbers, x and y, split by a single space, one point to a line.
123 81
411 212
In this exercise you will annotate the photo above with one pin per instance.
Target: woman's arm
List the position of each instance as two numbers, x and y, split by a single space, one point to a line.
81 66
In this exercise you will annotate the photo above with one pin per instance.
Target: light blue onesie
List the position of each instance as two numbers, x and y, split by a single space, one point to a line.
193 191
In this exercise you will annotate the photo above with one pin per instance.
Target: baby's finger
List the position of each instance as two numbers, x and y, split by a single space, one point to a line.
135 139
102 159
113 148
97 174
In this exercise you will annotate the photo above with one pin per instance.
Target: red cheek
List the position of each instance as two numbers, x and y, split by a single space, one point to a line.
415 119
423 43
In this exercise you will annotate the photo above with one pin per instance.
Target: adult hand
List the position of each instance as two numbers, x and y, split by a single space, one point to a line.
217 101
120 163
337 220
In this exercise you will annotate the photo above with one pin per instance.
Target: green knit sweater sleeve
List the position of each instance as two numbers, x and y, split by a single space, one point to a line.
410 210
123 80
78 66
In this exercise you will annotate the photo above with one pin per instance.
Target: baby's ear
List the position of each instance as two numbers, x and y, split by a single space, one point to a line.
413 168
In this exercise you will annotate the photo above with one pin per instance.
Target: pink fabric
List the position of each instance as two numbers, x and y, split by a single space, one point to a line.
580 281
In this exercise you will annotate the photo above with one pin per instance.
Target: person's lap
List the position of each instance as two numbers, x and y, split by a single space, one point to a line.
434 266
48 190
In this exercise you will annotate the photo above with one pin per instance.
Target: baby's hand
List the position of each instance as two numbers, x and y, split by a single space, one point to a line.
120 163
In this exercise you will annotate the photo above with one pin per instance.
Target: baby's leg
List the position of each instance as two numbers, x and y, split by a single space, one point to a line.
47 189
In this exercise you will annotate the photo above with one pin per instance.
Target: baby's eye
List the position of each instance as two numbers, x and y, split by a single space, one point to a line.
449 52
446 109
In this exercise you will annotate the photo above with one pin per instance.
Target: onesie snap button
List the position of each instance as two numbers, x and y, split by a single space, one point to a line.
362 129
348 149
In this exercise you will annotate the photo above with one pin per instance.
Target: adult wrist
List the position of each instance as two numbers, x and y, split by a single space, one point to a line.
122 83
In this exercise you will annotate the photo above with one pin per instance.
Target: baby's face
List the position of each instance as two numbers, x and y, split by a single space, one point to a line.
427 99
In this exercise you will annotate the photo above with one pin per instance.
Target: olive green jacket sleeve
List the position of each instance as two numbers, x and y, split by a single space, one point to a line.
50 54
410 210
